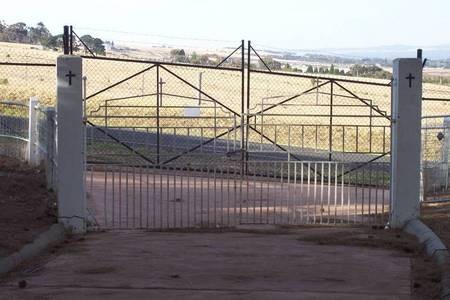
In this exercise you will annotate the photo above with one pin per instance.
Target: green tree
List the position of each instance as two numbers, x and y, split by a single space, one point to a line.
178 55
309 69
39 34
194 58
53 42
95 44
17 32
369 71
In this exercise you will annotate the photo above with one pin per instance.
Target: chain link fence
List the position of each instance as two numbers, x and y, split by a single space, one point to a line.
435 147
28 133
435 135
14 135
26 71
161 113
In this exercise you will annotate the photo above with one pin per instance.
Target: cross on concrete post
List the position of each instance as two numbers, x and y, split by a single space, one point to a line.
405 141
410 79
70 75
70 156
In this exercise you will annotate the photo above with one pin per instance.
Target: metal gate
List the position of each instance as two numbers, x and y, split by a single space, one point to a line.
176 145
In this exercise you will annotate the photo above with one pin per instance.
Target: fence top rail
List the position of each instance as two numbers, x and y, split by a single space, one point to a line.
6 63
14 103
250 163
435 116
435 99
332 79
154 62
257 124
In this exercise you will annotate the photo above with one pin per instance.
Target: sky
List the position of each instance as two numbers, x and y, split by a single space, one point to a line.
283 24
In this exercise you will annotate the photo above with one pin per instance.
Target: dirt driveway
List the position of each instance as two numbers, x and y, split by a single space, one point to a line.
27 208
226 265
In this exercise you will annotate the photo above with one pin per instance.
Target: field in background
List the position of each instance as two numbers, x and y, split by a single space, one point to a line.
302 123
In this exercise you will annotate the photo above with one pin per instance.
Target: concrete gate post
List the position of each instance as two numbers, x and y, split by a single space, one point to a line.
406 141
70 160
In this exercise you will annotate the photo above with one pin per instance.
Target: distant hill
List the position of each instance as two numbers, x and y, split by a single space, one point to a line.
438 56
393 51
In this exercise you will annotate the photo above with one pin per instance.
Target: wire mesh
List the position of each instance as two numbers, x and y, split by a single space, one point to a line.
27 71
13 129
303 117
435 132
161 113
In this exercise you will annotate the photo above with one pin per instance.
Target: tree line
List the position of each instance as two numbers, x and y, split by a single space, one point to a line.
356 70
40 35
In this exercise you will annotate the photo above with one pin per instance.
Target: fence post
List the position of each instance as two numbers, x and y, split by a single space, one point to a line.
33 138
66 40
50 167
242 104
406 141
443 167
70 160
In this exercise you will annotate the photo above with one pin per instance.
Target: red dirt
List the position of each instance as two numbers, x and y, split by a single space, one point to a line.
27 208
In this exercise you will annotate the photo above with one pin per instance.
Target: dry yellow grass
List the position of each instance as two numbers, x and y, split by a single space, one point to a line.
282 123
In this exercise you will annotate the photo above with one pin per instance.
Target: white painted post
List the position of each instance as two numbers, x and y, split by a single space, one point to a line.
32 151
406 141
443 167
70 187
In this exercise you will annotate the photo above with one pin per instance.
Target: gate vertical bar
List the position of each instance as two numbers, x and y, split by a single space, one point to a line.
242 103
157 114
370 128
330 131
247 119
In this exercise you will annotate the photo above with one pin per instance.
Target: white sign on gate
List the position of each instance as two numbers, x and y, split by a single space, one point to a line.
192 111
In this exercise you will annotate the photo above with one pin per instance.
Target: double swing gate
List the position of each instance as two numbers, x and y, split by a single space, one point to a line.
179 145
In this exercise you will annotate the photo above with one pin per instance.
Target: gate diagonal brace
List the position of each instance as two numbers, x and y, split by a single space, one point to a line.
200 145
290 98
198 90
279 146
229 55
120 142
373 107
120 82
365 163
260 58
